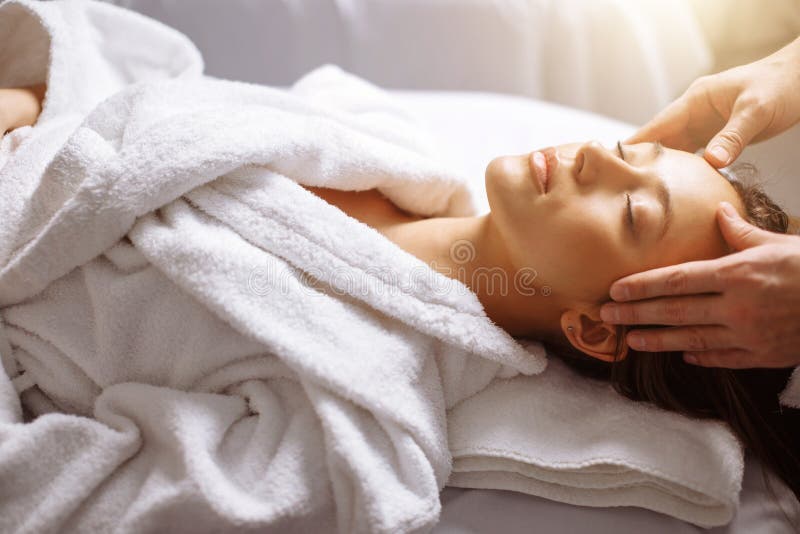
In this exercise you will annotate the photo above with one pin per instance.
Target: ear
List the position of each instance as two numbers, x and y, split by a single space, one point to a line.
590 335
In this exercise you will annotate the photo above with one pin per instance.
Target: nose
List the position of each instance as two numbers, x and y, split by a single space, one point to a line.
595 163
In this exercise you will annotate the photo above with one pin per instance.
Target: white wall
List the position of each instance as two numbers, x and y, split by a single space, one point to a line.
621 58
778 163
741 31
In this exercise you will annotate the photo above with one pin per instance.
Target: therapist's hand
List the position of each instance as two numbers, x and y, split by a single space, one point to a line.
20 106
726 111
738 311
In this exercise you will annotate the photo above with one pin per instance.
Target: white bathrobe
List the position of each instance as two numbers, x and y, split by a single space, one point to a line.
208 345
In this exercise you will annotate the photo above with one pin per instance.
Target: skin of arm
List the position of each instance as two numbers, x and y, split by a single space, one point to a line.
20 106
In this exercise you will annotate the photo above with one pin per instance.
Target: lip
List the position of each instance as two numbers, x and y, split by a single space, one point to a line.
543 164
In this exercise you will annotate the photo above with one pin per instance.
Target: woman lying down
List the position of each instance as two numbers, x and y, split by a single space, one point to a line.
266 306
585 215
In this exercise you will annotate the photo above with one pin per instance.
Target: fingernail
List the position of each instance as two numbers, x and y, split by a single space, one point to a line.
636 341
689 358
719 152
619 292
728 210
609 313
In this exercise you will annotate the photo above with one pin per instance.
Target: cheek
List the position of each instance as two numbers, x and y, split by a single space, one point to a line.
512 203
582 228
593 251
573 249
574 244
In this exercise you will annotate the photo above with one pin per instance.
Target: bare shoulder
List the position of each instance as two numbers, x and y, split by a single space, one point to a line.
370 207
20 106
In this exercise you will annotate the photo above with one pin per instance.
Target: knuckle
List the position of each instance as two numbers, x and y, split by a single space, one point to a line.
677 281
720 276
695 340
735 274
707 313
629 314
655 343
782 259
724 275
700 84
756 107
746 232
675 312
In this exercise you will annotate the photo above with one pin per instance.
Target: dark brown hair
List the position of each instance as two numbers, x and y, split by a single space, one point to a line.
745 399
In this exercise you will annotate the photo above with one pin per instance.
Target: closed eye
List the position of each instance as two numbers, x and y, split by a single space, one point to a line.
631 224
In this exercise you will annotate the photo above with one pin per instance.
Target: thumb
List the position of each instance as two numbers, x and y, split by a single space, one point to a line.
739 233
743 125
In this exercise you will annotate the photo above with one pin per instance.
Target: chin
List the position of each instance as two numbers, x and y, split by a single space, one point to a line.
508 179
498 191
505 178
505 168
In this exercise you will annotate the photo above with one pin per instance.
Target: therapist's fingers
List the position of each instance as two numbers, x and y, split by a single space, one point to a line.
749 117
739 233
683 279
668 127
683 310
726 358
681 338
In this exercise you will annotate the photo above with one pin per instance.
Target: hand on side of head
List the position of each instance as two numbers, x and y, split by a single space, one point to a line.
724 112
738 311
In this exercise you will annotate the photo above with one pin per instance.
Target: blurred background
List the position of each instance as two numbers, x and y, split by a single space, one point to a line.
624 59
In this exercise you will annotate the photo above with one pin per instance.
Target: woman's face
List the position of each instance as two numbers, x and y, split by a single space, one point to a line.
605 215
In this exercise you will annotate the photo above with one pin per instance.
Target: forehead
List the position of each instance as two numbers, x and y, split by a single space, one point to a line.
696 189
684 171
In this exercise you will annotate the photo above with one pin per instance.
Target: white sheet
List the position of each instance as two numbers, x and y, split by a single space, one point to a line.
484 511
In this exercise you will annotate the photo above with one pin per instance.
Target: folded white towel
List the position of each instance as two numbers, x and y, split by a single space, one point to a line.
569 438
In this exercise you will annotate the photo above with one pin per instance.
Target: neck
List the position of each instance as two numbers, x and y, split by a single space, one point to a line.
471 250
